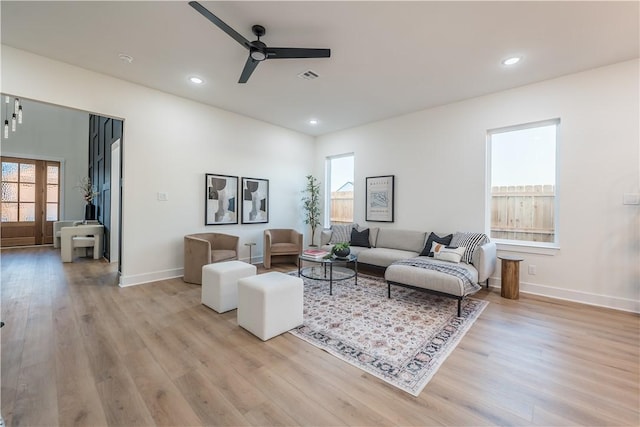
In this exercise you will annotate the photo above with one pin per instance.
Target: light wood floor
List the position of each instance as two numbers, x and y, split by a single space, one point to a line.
79 350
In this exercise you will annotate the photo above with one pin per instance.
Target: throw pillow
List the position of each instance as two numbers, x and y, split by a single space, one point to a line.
447 253
341 233
433 237
360 238
471 241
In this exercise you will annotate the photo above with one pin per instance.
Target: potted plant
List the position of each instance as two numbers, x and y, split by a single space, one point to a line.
341 250
311 205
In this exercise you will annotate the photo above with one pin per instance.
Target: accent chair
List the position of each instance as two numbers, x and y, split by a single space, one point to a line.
206 248
281 243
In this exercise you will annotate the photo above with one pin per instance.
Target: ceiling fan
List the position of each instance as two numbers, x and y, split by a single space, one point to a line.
258 51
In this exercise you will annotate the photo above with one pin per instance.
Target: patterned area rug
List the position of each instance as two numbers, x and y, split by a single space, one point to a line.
402 340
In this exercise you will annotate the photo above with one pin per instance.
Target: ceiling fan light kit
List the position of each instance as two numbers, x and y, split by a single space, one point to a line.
259 51
511 61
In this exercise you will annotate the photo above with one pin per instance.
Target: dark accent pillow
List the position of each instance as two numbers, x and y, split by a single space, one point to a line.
433 237
360 238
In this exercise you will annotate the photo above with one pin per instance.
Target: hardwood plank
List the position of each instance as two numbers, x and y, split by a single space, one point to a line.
165 402
122 403
208 401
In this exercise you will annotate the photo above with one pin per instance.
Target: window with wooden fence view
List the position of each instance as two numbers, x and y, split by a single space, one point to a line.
522 198
340 183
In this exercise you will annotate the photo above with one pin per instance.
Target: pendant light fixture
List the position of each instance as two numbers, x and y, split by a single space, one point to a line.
6 121
16 115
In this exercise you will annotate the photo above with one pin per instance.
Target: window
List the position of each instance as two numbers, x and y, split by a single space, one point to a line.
22 187
339 190
53 191
522 184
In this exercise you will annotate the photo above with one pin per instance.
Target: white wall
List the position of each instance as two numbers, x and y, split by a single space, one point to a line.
51 132
169 144
438 158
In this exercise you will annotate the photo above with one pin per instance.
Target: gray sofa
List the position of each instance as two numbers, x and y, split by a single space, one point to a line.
398 253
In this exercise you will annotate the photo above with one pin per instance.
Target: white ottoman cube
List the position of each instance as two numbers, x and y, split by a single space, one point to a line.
270 304
220 283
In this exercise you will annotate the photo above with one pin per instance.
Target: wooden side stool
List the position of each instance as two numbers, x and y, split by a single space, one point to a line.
510 276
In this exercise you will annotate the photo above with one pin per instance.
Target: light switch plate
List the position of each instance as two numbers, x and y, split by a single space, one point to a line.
163 197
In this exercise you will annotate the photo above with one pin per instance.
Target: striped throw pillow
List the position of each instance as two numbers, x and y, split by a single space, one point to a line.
471 241
341 233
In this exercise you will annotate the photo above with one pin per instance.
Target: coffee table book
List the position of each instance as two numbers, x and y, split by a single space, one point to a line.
315 253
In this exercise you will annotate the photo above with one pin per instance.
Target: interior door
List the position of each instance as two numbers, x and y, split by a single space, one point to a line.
30 201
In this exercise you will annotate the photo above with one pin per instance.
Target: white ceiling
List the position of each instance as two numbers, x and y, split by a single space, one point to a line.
387 58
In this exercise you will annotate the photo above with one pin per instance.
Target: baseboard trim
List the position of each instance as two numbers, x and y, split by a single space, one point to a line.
139 279
606 301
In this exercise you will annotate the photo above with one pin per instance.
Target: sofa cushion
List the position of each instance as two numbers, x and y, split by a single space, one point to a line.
433 237
325 237
341 233
360 238
471 241
405 240
433 280
283 248
222 254
373 235
383 257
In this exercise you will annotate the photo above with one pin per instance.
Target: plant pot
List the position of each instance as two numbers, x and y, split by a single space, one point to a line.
89 212
342 253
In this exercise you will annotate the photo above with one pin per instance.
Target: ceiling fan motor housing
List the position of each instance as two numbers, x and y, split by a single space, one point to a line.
258 50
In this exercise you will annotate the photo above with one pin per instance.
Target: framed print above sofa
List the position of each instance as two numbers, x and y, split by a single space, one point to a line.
380 198
221 195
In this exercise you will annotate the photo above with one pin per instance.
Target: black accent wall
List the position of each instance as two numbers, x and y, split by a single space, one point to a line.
103 132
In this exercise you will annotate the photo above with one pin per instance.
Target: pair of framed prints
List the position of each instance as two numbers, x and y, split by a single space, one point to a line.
224 203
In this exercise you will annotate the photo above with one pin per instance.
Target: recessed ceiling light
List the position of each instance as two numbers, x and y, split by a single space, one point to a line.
196 80
511 61
313 122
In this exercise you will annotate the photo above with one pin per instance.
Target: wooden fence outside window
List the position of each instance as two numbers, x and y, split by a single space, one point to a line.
523 212
341 207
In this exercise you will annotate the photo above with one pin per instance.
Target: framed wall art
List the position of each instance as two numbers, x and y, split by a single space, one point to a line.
380 198
221 205
255 200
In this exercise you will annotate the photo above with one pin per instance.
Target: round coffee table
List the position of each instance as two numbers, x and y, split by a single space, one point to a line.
329 269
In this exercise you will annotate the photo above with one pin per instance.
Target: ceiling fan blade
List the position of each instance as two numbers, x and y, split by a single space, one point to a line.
249 66
295 52
220 23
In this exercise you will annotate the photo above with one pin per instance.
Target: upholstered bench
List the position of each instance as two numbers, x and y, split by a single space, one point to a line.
220 284
270 304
